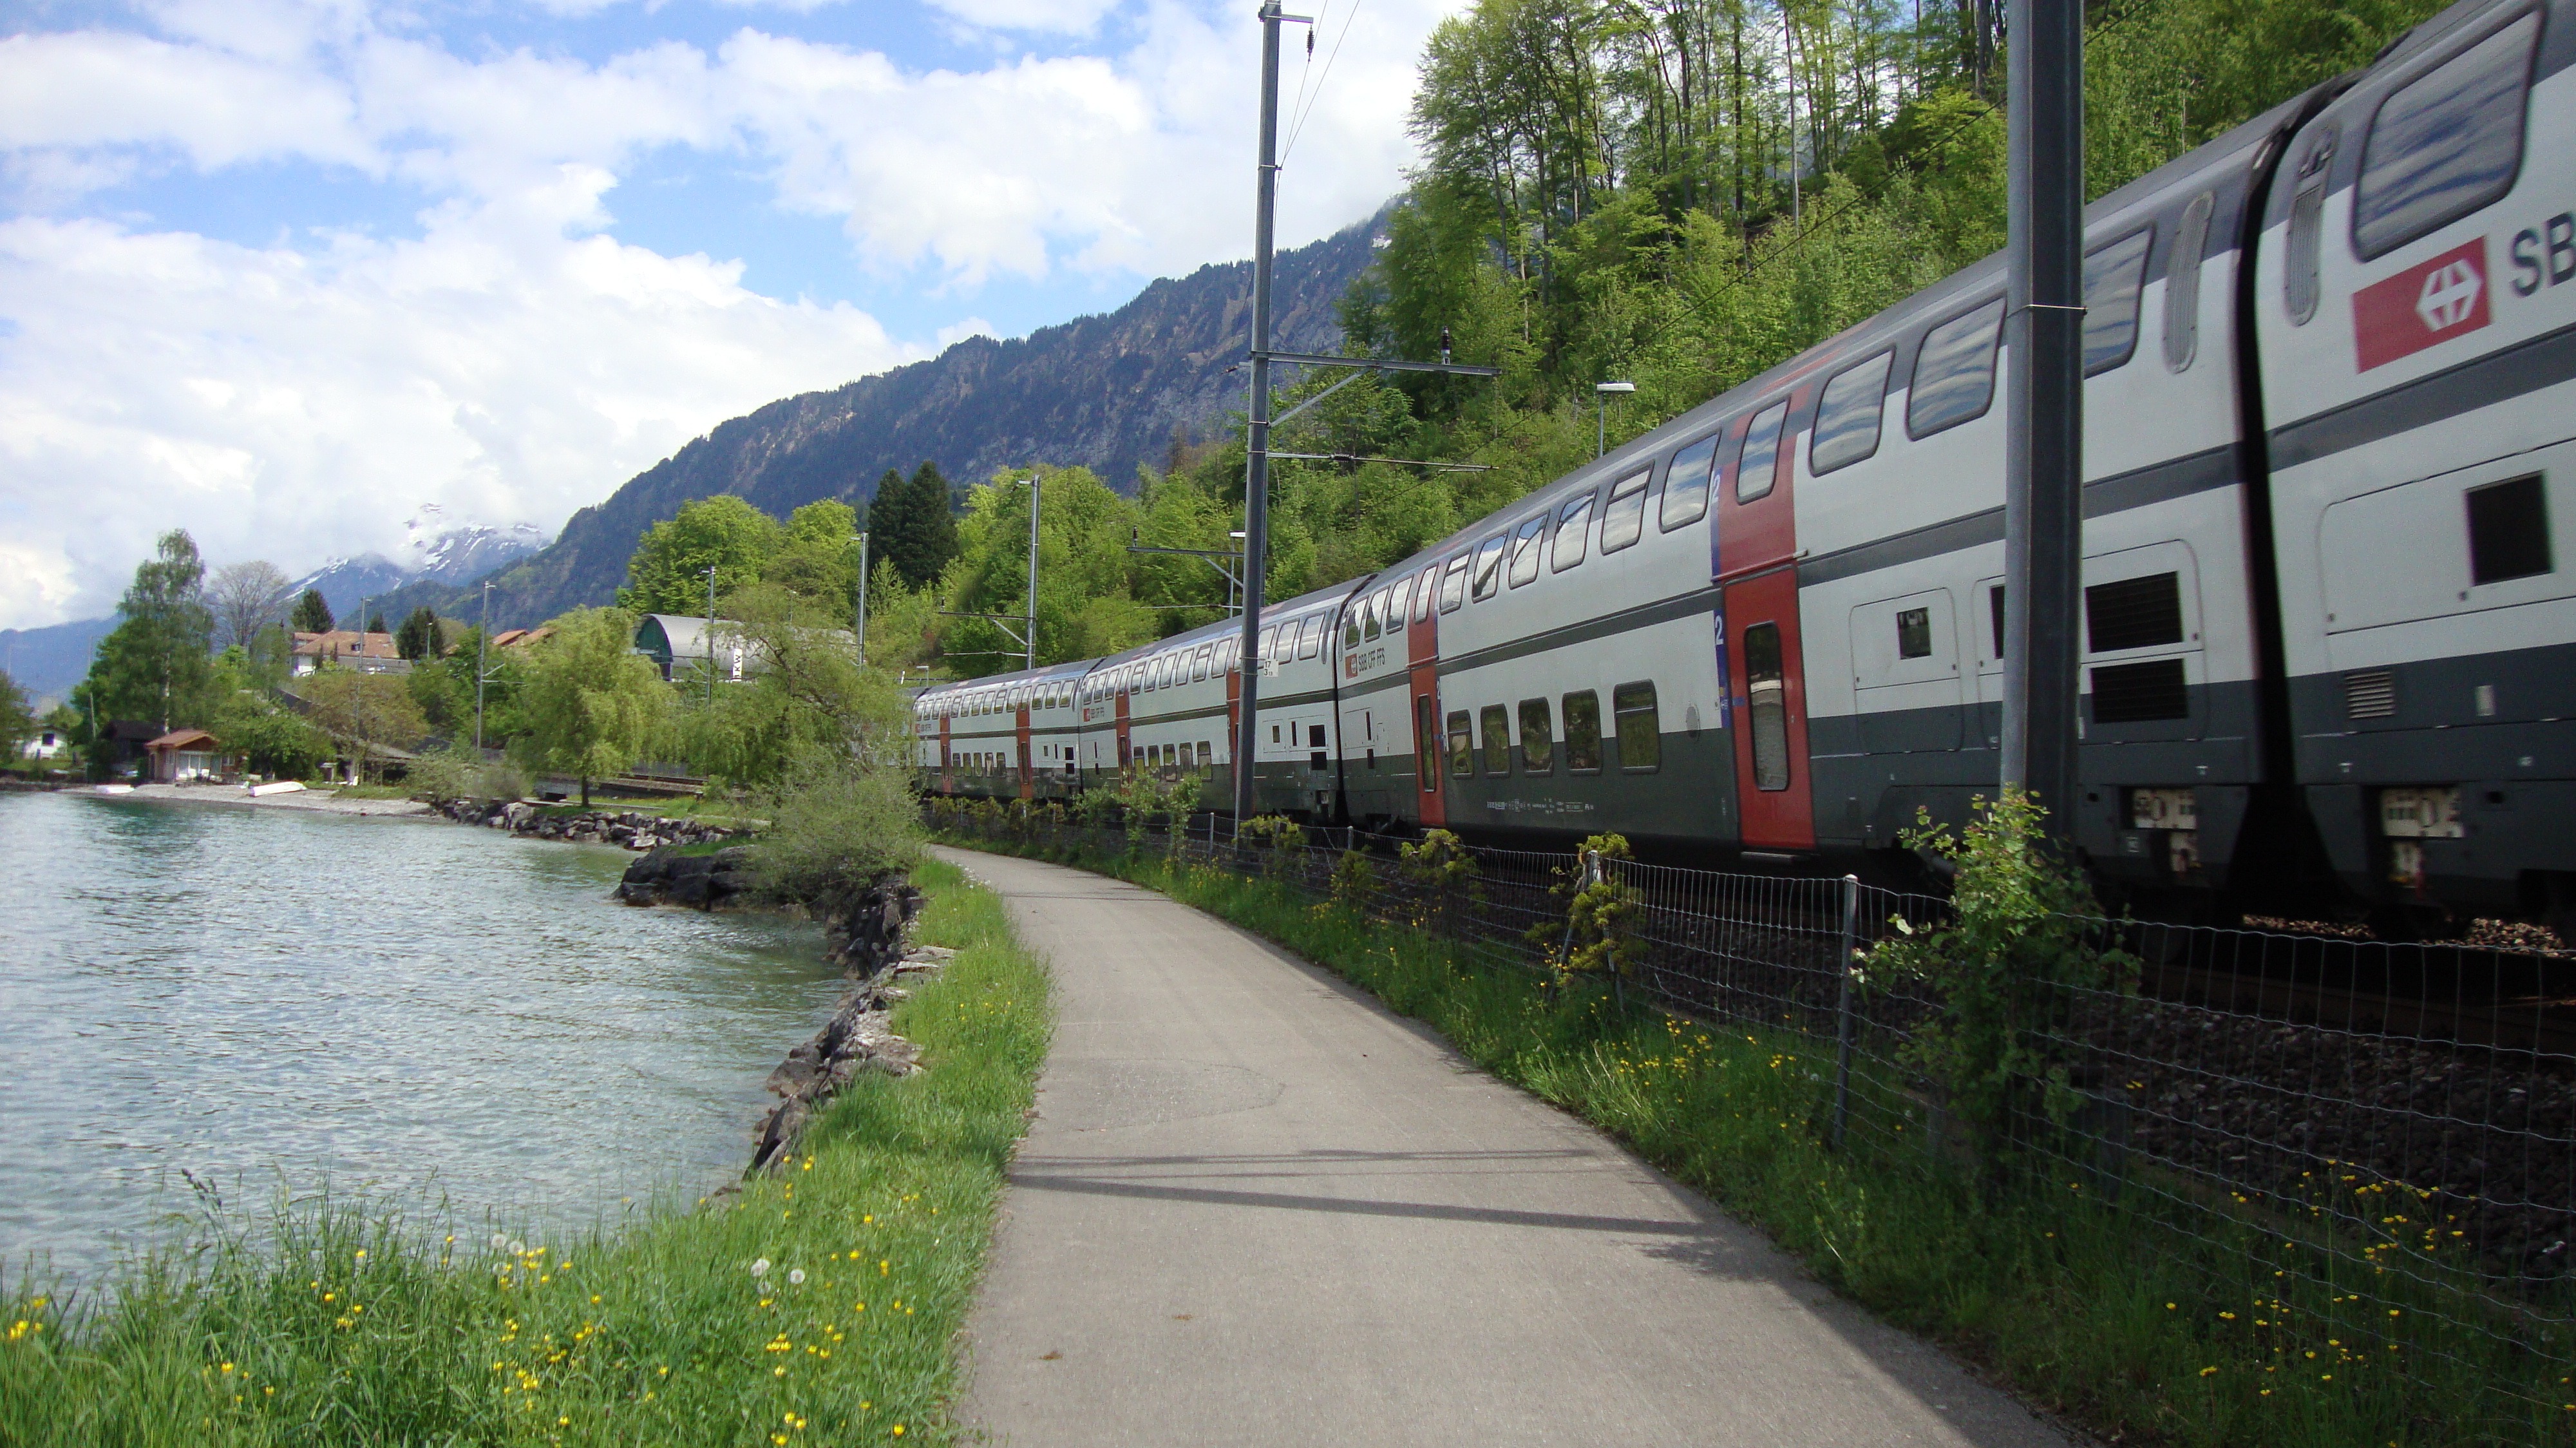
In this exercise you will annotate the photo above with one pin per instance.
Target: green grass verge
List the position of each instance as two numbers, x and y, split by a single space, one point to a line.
340 1323
2089 1311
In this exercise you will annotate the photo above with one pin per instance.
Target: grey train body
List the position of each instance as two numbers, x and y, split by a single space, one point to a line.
2330 557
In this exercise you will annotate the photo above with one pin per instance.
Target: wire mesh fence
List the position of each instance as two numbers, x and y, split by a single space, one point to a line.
2363 1153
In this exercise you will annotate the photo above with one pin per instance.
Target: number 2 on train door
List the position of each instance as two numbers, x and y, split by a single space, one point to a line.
1778 802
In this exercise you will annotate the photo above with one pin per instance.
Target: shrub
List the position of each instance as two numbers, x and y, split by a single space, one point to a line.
1280 841
835 824
1600 911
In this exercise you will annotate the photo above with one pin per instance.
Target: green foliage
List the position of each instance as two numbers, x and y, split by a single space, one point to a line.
312 613
657 1330
1354 880
1439 863
155 666
808 695
274 743
668 573
459 771
912 524
361 711
2016 943
1598 936
835 823
269 658
1277 839
589 703
17 720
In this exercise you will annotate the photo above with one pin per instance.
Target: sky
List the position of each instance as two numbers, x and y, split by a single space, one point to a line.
282 272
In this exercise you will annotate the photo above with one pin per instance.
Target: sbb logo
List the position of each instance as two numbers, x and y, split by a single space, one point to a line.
2430 302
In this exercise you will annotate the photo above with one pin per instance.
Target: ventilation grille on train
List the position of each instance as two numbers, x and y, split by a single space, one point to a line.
2370 694
2137 693
2134 613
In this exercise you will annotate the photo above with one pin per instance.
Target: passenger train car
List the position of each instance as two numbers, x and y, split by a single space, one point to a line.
2328 631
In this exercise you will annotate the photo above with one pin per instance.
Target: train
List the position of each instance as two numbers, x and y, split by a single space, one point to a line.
2329 649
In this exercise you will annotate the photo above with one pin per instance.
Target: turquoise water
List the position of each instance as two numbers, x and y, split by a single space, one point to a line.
412 1009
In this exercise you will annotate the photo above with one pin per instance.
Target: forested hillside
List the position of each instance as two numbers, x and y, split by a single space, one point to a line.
1678 193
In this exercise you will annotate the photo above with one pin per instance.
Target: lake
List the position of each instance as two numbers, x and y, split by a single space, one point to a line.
270 997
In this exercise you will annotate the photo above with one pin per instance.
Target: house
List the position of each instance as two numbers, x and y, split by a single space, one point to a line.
120 748
188 756
523 638
47 744
369 653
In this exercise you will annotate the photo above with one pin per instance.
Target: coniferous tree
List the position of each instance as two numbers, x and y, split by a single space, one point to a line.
312 613
912 523
418 636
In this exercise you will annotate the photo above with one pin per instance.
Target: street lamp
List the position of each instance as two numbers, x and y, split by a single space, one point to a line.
862 541
1601 413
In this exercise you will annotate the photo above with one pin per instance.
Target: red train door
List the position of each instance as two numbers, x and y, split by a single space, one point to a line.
946 760
1028 762
1233 727
1757 564
1118 769
1422 655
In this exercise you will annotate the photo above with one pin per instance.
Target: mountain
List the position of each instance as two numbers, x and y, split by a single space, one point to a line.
46 662
1107 392
437 561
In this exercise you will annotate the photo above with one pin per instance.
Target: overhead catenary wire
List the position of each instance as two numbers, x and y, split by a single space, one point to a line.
1306 102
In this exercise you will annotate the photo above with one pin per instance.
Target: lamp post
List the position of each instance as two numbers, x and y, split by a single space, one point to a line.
482 669
1602 392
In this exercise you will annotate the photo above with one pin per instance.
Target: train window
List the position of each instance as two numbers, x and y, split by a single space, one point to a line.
1758 466
2445 143
1528 542
1583 733
2299 281
1462 746
1538 738
1453 585
1397 601
1624 516
1686 482
1207 760
2133 613
1641 727
1914 633
1489 566
2182 282
1310 639
1422 593
1369 616
1269 643
1847 420
1351 623
1767 700
1954 374
1995 606
1572 522
1199 661
2508 531
1495 723
1426 748
2113 277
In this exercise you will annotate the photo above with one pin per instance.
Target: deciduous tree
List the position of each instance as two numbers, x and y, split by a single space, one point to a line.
246 597
590 703
362 711
155 664
668 573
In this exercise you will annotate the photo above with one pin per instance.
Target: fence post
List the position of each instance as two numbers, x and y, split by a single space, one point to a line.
1842 1010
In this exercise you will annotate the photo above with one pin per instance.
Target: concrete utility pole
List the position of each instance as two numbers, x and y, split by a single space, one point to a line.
863 601
2044 410
711 635
1256 483
1030 642
482 667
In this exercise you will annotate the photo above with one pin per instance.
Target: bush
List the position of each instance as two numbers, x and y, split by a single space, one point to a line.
835 824
459 772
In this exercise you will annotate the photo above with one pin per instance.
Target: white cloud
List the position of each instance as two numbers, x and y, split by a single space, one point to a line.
291 406
513 359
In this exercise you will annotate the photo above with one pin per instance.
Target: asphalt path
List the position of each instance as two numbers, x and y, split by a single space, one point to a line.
1255 1207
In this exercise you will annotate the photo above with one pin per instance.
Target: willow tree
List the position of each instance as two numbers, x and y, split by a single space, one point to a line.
589 702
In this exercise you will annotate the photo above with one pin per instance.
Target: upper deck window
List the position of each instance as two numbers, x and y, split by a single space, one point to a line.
1572 522
1489 565
1686 482
1954 374
1526 547
2113 277
1847 420
1760 465
1624 518
2445 143
1310 639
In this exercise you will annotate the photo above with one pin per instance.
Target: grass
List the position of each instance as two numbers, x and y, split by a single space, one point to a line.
2089 1310
820 1306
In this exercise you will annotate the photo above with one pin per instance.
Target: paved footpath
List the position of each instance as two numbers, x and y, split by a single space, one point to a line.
1257 1208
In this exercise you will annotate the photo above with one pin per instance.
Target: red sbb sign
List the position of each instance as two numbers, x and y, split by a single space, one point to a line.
2430 302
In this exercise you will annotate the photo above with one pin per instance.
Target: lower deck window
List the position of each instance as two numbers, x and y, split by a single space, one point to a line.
1496 722
1426 764
1641 737
2138 693
1766 698
1583 733
1462 746
1538 738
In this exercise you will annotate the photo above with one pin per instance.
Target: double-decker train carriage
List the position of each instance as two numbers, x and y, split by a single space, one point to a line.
2328 634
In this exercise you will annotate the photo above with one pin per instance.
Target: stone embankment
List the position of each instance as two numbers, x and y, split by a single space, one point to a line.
631 829
700 882
865 934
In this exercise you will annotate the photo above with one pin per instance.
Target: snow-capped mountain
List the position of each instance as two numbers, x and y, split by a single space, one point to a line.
431 552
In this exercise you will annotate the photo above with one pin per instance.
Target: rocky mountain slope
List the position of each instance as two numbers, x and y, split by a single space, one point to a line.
1106 392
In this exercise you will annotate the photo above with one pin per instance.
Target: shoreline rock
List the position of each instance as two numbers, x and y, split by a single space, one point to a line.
627 829
865 932
666 876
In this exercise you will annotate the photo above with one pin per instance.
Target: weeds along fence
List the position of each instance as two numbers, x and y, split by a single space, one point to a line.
2362 1155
